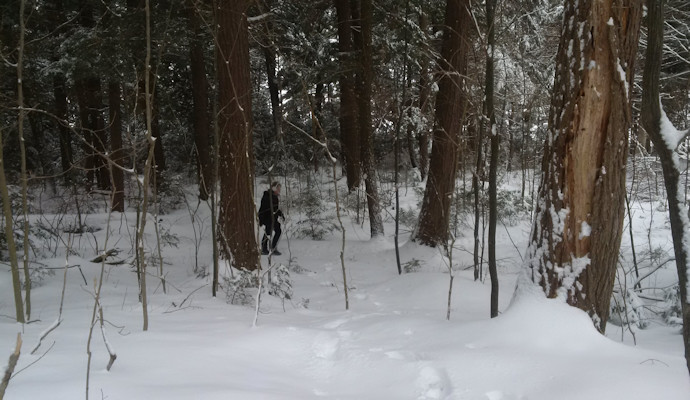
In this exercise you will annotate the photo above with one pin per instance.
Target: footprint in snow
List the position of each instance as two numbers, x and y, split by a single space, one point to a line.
403 355
433 383
335 324
500 395
325 345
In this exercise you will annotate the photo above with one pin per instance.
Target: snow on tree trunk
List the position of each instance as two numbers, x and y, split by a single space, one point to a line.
666 139
576 235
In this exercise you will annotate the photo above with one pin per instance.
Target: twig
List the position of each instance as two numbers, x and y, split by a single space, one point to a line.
34 362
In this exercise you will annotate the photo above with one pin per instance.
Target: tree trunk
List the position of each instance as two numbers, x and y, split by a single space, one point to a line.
200 114
90 101
424 90
434 216
237 209
92 126
117 155
349 130
364 85
158 153
60 95
269 51
651 116
9 238
493 162
578 227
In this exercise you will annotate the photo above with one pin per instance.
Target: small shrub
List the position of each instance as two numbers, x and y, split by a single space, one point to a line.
629 309
671 307
318 222
280 284
411 266
235 287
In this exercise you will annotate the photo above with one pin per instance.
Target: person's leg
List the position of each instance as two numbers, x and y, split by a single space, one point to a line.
265 239
276 234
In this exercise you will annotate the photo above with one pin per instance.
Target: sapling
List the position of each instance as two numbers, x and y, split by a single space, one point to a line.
97 311
11 364
334 168
9 237
58 320
22 151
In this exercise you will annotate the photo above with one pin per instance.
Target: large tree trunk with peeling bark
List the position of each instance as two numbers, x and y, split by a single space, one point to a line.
577 232
237 209
651 118
450 108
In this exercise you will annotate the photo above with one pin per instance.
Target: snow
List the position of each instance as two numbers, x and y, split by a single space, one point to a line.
623 78
585 230
393 343
672 137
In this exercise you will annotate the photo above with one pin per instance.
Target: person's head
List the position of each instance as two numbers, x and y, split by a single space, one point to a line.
275 186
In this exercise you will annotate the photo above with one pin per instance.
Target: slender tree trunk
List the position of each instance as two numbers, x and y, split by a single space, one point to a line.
200 115
117 155
22 150
477 187
364 86
493 163
349 130
158 153
318 112
269 50
434 216
580 209
9 238
237 209
60 95
424 99
651 117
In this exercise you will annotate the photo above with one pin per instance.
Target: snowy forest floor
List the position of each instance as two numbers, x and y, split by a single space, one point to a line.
393 343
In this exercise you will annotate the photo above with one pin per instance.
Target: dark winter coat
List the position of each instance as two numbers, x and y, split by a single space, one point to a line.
266 215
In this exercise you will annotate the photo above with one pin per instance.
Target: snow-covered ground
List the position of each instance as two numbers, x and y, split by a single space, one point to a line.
393 343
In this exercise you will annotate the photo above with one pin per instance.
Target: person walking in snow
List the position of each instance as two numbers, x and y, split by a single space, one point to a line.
269 212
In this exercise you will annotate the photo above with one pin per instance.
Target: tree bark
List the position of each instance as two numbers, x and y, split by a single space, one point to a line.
117 154
580 208
269 50
60 98
364 86
493 161
9 238
200 114
451 101
424 99
349 130
237 209
651 116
